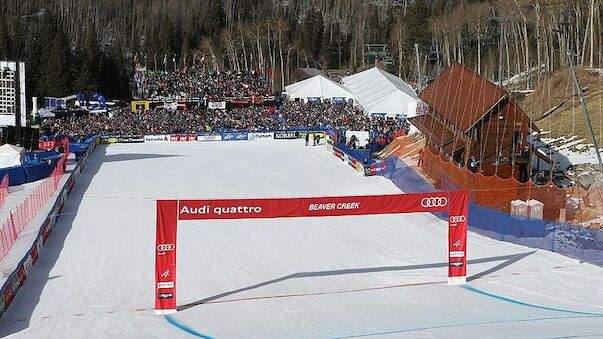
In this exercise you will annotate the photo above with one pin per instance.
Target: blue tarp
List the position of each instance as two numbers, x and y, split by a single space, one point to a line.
362 155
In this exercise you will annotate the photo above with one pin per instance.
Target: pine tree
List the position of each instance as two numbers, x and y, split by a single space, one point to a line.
18 46
5 40
87 79
56 80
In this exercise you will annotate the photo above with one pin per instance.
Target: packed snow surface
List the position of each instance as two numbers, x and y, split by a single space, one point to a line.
366 276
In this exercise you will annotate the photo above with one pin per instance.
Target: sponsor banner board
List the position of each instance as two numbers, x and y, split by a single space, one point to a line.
157 138
261 136
285 135
183 137
109 139
47 145
126 139
234 136
321 134
209 137
216 105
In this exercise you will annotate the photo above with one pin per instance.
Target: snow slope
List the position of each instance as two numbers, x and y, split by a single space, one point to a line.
369 276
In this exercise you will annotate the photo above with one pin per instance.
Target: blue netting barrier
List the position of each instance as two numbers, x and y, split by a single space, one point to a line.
574 241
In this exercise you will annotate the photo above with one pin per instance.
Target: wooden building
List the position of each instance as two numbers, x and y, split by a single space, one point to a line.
473 121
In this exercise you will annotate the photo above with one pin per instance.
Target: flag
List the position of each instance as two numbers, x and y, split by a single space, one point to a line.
100 98
81 97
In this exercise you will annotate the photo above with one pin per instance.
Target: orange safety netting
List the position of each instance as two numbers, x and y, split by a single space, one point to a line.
491 191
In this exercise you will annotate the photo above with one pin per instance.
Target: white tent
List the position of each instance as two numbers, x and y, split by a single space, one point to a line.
380 92
11 155
318 87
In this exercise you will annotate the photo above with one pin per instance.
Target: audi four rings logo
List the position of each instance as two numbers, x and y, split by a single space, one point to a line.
434 202
458 218
165 247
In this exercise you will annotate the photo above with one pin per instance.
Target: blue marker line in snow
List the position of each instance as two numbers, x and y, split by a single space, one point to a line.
416 329
517 302
185 328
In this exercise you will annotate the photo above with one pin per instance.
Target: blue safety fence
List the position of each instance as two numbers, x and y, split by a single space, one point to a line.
574 241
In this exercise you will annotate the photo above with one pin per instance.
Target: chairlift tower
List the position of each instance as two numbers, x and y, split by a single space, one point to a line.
380 52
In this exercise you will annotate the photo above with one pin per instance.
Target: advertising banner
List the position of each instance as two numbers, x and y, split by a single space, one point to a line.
183 137
47 145
156 138
261 136
285 135
109 139
312 207
242 101
216 105
209 137
126 139
169 212
165 259
234 136
457 239
302 134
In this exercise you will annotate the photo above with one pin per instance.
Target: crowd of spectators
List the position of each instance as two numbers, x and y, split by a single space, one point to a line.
196 83
289 115
213 86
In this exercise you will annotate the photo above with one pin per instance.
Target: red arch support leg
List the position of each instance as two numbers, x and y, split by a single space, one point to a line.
165 256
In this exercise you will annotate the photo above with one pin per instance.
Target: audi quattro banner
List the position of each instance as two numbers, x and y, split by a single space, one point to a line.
170 211
285 135
312 207
261 136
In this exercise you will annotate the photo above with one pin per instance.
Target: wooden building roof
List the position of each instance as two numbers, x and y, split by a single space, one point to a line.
463 98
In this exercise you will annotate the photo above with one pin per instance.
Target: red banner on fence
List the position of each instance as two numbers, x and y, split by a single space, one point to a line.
170 211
